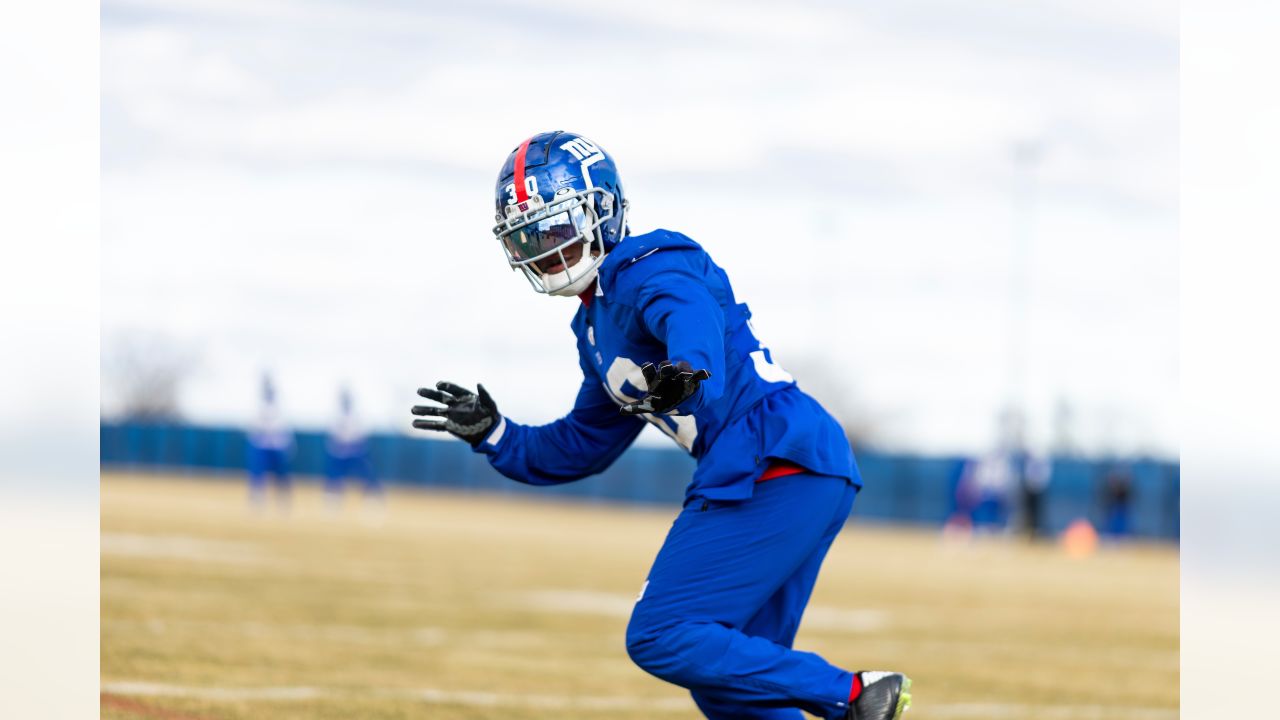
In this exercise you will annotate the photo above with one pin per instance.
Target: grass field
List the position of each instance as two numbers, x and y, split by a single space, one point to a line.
453 606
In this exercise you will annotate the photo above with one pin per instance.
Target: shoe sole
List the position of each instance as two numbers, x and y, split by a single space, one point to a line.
904 699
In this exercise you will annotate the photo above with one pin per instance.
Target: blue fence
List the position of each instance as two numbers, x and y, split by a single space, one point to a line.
900 488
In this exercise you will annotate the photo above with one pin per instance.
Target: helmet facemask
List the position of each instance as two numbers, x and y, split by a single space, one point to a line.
535 235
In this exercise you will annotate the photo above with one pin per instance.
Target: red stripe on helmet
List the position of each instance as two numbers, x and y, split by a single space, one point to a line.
518 177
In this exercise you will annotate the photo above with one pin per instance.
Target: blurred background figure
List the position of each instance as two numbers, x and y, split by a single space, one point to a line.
347 455
270 442
1034 473
964 497
990 478
1117 495
981 495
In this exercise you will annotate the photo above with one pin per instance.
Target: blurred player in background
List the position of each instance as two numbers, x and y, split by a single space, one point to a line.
1034 473
270 442
1117 497
661 338
990 478
346 449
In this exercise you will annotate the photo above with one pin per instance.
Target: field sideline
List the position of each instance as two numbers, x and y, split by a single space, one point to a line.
458 606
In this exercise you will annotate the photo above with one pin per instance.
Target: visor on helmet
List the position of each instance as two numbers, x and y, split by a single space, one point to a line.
562 224
535 234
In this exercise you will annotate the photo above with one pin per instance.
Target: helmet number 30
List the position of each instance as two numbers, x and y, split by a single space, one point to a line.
530 186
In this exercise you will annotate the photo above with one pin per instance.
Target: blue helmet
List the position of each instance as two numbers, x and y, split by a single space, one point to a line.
560 208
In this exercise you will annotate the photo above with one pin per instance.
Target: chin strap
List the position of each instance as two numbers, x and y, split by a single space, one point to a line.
586 295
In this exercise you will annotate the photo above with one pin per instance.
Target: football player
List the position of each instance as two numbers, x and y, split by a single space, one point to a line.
270 443
346 454
662 339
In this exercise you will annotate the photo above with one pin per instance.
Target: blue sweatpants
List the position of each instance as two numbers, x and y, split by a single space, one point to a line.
723 601
339 468
268 460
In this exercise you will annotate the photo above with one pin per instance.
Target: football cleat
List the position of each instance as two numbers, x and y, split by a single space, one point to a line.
884 696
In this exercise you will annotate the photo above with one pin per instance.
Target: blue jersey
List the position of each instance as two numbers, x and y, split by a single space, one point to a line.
659 296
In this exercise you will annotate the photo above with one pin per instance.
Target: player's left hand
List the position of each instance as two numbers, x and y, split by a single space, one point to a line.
465 414
668 385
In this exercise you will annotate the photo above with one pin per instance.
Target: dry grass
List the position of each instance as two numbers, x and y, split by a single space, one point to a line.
454 606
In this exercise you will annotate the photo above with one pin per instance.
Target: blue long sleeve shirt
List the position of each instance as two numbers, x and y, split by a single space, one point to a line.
659 296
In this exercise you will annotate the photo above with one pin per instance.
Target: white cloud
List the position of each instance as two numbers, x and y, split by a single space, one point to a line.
305 187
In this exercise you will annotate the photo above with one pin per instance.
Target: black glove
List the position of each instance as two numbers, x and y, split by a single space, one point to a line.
465 415
667 386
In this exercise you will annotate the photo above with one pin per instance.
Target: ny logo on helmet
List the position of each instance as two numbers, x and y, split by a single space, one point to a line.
581 148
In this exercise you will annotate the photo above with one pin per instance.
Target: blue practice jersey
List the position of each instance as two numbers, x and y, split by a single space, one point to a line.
659 296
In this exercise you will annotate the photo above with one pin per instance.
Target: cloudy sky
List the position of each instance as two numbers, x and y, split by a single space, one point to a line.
306 188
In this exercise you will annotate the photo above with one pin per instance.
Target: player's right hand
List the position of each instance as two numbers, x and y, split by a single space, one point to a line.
669 384
465 414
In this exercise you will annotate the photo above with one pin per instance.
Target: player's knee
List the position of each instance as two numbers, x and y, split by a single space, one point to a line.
640 642
652 655
662 648
647 645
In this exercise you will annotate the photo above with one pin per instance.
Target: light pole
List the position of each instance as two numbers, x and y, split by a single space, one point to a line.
1026 160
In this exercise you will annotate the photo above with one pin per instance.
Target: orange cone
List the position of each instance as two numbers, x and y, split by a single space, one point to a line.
1079 540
